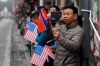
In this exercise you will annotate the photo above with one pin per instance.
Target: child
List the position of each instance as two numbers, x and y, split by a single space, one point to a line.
59 23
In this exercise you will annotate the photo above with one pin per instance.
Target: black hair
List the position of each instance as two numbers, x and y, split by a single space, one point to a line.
35 14
57 8
28 13
75 10
60 22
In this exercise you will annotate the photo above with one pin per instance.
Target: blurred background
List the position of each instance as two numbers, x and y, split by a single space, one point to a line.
89 10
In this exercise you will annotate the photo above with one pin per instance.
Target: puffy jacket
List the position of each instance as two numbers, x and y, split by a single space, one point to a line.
69 45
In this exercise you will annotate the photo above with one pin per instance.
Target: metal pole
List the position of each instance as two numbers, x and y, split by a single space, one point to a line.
86 27
41 2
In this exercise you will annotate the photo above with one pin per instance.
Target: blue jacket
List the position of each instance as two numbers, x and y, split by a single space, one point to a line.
42 38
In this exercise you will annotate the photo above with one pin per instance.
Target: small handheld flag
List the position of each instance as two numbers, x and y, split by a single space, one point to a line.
43 19
31 33
41 54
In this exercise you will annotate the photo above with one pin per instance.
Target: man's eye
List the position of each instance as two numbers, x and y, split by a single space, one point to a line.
68 14
63 14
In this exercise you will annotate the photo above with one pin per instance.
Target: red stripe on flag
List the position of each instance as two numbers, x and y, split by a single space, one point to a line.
42 22
39 60
44 13
41 25
31 36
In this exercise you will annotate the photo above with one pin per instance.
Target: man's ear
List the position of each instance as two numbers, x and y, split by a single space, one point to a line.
75 16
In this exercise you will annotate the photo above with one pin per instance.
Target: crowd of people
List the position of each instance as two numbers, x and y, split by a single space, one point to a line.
64 29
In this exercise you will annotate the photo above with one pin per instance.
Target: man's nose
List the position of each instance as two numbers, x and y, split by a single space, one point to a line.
65 16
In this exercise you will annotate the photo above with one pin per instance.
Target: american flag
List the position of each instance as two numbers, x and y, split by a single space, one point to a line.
41 54
43 19
31 33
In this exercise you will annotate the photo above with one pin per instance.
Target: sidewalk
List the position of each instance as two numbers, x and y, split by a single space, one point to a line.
19 56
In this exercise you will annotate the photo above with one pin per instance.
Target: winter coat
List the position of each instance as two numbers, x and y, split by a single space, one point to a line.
69 45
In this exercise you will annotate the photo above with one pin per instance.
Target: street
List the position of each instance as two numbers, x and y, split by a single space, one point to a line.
19 56
12 45
5 41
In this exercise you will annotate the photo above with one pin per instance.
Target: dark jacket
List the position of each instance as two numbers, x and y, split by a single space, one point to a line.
69 45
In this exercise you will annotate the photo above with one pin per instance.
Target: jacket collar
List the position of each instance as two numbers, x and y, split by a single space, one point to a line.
72 25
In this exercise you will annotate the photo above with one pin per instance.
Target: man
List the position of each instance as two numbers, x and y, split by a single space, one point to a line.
27 15
69 39
53 8
27 21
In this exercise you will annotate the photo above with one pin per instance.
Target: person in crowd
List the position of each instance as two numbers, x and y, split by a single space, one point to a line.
69 37
27 15
53 8
59 23
27 21
42 37
22 25
57 26
34 17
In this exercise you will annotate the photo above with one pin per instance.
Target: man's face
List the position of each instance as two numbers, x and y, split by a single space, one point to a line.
35 20
52 9
68 16
57 25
